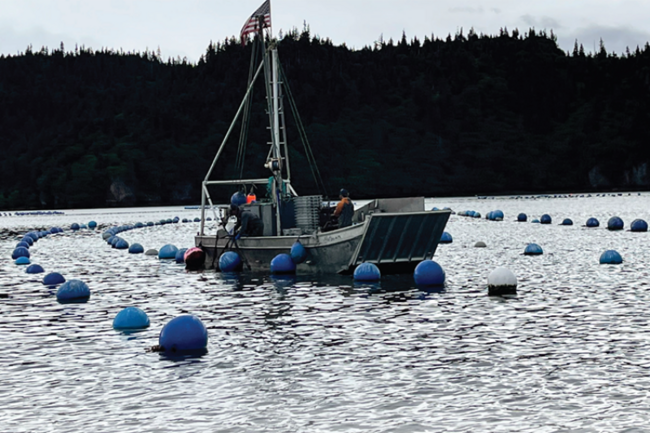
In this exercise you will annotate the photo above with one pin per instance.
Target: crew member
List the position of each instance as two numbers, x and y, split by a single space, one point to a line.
248 224
344 209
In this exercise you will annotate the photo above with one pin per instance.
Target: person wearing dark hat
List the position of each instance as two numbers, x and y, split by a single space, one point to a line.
344 209
248 224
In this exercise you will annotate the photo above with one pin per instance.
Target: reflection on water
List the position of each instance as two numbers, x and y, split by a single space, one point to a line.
569 352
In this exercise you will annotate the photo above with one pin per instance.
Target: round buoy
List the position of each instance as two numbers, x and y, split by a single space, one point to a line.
567 222
522 217
34 269
639 225
150 224
230 262
28 240
53 278
92 225
298 252
194 258
615 223
282 264
502 281
446 238
238 198
533 250
367 272
592 222
131 318
545 219
22 261
22 244
183 334
429 273
136 249
107 235
497 215
197 220
480 244
121 244
180 255
151 252
73 291
74 227
167 252
611 257
33 235
20 252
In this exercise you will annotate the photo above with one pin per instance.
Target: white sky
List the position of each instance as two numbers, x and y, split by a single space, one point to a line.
185 28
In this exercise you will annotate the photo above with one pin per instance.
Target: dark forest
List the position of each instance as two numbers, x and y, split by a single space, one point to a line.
463 115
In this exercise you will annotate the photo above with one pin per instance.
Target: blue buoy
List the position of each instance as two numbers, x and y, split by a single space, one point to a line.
615 223
92 225
115 240
150 224
34 269
74 227
522 217
53 278
367 272
298 252
446 238
429 273
611 257
73 291
22 244
28 240
136 249
33 235
20 252
533 250
282 264
22 261
167 252
238 198
183 334
567 222
497 215
592 222
639 225
131 318
197 220
545 219
121 244
230 262
180 255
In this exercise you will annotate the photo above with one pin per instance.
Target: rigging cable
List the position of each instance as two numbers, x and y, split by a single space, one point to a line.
303 137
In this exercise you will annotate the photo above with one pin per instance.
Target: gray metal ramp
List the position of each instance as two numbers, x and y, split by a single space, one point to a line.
400 238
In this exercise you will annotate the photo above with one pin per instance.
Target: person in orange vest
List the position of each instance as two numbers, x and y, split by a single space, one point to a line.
344 209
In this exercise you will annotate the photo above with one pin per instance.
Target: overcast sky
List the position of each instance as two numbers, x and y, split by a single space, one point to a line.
185 28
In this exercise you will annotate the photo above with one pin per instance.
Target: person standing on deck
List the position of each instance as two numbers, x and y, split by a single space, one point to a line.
344 209
248 224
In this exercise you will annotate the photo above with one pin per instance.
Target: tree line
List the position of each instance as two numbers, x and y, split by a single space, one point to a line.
458 115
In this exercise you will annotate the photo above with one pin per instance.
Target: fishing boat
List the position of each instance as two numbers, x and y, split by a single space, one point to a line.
393 233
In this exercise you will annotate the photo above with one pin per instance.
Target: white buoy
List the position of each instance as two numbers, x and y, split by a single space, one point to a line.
502 281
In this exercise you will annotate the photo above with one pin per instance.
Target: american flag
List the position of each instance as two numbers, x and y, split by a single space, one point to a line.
253 22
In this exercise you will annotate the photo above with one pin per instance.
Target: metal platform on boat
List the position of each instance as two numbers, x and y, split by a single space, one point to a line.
398 241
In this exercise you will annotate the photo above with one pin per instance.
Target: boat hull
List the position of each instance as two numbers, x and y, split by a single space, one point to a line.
395 242
328 252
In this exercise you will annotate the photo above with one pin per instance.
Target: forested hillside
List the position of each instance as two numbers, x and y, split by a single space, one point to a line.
467 114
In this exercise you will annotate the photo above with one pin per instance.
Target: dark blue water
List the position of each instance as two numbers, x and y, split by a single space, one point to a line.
569 353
